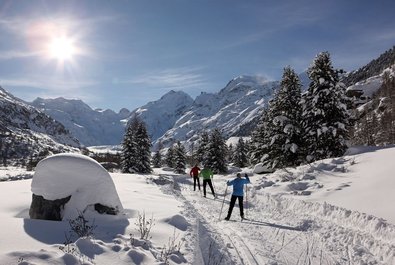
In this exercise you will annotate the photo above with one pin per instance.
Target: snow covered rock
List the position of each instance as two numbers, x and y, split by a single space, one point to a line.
260 168
66 184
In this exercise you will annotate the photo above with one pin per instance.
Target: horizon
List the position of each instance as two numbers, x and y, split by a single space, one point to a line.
126 54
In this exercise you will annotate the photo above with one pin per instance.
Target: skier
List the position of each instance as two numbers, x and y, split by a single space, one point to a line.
238 193
195 175
207 175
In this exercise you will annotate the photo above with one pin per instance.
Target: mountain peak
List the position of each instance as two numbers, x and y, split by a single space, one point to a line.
250 81
172 94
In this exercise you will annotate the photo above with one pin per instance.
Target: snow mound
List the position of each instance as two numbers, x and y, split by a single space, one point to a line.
260 169
179 222
88 183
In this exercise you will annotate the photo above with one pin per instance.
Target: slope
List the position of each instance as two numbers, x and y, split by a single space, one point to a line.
236 104
161 115
90 127
25 131
285 225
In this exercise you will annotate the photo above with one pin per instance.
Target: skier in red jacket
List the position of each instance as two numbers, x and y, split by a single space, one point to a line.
195 175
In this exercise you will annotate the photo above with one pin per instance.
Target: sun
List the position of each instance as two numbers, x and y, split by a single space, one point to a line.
62 48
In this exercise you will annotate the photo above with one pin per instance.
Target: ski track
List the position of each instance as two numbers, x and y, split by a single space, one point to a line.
243 250
277 233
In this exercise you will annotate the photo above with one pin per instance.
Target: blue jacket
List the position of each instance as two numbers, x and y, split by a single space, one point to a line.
238 185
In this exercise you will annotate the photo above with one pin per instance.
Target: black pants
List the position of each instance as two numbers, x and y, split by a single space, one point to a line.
196 179
232 204
205 182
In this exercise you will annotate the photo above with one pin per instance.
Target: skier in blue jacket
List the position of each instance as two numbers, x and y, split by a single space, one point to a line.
238 193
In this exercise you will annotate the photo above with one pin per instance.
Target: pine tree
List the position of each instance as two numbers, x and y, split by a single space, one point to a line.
136 146
259 145
157 157
230 153
216 153
129 155
284 131
179 158
202 150
240 155
144 143
170 157
365 130
325 114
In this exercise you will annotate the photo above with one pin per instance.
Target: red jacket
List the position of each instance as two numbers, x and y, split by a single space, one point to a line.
194 172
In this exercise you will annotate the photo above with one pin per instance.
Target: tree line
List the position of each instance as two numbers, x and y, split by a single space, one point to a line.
293 129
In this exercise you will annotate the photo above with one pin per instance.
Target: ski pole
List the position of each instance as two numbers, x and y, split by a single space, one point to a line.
223 201
212 181
246 199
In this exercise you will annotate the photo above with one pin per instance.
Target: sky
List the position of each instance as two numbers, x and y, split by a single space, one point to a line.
124 54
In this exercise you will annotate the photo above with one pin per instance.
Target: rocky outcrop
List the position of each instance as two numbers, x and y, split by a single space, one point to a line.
47 209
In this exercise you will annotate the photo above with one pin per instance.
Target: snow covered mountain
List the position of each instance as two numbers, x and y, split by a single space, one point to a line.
90 127
26 131
365 81
229 109
175 116
161 115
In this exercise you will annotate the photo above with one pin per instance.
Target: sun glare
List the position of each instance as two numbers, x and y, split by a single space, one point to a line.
62 48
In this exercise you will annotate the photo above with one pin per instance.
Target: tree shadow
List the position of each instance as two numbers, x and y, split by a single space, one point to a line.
55 232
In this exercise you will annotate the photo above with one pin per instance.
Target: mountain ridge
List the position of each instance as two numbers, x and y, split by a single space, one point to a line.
91 127
26 131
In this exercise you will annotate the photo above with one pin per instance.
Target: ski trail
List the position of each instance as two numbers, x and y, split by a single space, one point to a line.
208 248
243 250
282 231
224 232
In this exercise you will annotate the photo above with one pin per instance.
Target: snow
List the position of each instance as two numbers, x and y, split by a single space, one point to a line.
368 86
90 127
88 183
226 110
104 149
333 211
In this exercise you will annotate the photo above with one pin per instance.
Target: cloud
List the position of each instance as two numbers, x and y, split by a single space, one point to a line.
178 78
30 88
7 55
49 84
12 25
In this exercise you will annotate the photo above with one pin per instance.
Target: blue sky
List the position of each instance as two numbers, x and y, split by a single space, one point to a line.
127 53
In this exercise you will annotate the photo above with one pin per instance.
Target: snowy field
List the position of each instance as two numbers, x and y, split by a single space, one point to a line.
335 211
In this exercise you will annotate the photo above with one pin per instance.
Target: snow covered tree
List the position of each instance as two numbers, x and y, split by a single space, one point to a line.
157 157
179 158
144 143
240 155
216 153
259 144
230 153
136 146
284 130
170 157
129 147
325 114
202 150
365 130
